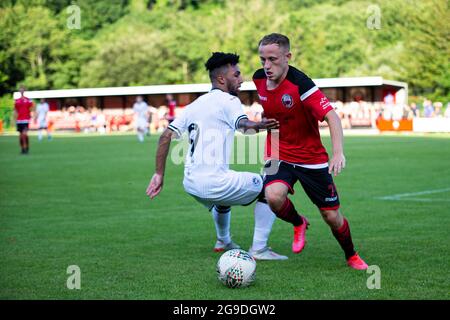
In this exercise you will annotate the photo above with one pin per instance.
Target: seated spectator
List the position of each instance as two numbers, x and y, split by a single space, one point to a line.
413 111
428 110
256 110
438 109
101 122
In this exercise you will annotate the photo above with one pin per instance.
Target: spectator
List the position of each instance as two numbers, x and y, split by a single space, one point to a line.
428 110
256 109
413 111
171 105
438 109
101 122
162 117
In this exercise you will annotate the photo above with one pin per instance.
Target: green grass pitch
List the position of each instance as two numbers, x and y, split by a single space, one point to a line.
81 201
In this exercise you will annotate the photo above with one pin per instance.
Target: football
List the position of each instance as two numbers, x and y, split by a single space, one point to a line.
236 268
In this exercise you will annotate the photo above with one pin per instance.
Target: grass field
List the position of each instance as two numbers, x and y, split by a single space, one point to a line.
81 201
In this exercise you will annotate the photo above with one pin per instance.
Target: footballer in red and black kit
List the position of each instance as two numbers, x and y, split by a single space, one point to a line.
298 105
22 108
295 151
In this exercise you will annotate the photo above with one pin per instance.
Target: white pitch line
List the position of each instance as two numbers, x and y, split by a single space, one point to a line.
416 199
403 195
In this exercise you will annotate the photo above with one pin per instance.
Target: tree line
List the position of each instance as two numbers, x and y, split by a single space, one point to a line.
146 42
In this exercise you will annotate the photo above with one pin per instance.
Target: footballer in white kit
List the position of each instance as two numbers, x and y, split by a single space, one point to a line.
210 123
42 109
140 108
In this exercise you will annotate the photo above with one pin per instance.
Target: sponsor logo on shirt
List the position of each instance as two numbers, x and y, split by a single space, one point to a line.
324 103
287 101
256 181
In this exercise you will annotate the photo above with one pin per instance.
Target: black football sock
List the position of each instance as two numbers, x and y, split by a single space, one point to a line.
344 237
22 144
289 214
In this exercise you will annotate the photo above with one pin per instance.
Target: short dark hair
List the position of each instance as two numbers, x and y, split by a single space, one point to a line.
219 60
275 38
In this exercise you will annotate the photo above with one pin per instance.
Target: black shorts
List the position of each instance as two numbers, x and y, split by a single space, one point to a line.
22 126
317 183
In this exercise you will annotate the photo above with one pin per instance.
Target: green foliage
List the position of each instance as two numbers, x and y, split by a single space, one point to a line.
426 55
6 109
97 14
129 42
27 43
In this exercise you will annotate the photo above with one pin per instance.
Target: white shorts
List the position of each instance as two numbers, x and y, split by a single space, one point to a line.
42 123
229 188
141 124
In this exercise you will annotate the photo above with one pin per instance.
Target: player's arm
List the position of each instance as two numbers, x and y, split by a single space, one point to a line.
156 183
337 162
247 126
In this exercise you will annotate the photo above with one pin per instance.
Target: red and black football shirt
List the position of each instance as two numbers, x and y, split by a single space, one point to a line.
298 104
23 107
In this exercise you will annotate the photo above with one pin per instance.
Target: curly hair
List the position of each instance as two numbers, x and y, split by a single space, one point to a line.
220 59
218 63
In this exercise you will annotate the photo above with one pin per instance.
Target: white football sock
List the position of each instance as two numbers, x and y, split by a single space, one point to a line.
140 136
40 135
222 223
264 218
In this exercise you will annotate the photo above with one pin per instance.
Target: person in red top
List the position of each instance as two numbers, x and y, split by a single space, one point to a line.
22 107
295 152
171 104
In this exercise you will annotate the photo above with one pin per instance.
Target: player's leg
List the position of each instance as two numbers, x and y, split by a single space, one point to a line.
319 186
26 142
243 188
23 137
19 129
341 231
140 134
236 192
277 187
264 219
222 217
140 129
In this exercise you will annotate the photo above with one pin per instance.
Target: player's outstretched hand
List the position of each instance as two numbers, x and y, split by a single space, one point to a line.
155 186
337 163
269 124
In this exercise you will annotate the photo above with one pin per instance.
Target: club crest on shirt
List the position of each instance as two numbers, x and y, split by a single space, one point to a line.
287 101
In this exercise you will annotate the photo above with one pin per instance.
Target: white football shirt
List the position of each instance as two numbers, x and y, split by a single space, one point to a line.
210 122
41 111
141 109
